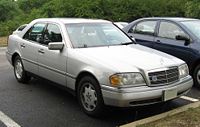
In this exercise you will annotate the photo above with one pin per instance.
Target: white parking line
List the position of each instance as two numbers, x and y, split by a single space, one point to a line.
8 121
189 98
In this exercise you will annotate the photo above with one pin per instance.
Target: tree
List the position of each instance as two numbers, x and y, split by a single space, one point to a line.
8 9
14 13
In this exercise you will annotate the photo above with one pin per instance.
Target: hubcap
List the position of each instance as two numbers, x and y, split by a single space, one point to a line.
88 97
198 76
18 69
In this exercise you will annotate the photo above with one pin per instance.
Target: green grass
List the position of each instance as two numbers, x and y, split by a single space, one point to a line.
3 41
190 118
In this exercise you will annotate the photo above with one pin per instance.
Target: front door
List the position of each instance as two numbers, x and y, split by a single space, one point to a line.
52 63
166 41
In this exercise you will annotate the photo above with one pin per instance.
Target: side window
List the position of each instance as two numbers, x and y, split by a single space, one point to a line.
35 33
132 29
169 30
52 34
146 27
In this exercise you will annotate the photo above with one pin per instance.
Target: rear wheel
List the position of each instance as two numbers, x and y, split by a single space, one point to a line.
196 76
90 97
20 73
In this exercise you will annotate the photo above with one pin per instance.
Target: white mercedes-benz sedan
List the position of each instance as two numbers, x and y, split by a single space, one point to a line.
98 62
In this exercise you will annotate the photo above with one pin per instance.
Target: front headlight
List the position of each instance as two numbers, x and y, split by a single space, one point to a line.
125 79
183 71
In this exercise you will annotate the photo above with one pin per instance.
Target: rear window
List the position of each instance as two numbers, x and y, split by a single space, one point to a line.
21 27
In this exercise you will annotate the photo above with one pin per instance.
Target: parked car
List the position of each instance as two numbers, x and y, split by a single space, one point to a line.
19 29
176 36
98 67
121 24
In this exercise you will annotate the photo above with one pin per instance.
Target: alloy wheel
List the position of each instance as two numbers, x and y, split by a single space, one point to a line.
88 96
18 69
198 76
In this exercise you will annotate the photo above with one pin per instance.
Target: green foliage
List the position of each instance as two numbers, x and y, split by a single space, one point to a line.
59 8
14 13
8 8
193 9
28 5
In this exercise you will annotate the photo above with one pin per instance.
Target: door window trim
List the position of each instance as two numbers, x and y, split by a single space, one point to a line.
31 29
135 25
159 23
46 24
53 23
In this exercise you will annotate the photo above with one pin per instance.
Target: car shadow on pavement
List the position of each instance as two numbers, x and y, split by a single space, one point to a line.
65 104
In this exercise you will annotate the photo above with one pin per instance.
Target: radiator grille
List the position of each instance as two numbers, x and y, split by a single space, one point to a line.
164 77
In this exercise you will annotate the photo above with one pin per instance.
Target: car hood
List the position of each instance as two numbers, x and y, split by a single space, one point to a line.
130 58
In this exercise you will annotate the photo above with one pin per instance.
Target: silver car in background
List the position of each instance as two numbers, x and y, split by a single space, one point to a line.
98 62
121 24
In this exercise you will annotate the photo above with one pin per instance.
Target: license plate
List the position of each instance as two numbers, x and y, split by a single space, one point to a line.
169 94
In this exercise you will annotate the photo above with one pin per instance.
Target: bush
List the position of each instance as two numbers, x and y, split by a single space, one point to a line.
16 13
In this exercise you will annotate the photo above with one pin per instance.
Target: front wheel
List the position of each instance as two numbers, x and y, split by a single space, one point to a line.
20 73
196 76
90 97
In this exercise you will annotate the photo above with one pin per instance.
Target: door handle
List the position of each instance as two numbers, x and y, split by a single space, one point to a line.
41 51
23 45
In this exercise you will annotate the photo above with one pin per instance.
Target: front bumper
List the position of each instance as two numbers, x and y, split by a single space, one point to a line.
138 96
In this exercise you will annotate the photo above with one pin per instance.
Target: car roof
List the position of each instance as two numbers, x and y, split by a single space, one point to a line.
177 19
121 22
72 20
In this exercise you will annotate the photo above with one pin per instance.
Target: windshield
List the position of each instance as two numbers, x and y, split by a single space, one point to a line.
85 35
193 26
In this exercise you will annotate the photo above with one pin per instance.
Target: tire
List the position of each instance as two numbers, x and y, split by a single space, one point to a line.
196 76
19 72
90 97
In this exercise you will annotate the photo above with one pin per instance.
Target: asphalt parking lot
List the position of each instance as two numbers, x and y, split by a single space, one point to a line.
40 104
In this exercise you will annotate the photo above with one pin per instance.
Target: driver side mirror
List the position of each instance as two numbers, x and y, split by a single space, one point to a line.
55 45
183 38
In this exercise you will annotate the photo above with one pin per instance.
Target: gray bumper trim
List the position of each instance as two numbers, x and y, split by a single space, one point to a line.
127 96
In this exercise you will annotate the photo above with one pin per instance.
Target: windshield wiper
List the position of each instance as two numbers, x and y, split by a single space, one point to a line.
128 43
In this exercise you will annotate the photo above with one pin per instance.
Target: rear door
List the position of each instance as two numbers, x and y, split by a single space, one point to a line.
29 47
52 63
143 32
166 41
